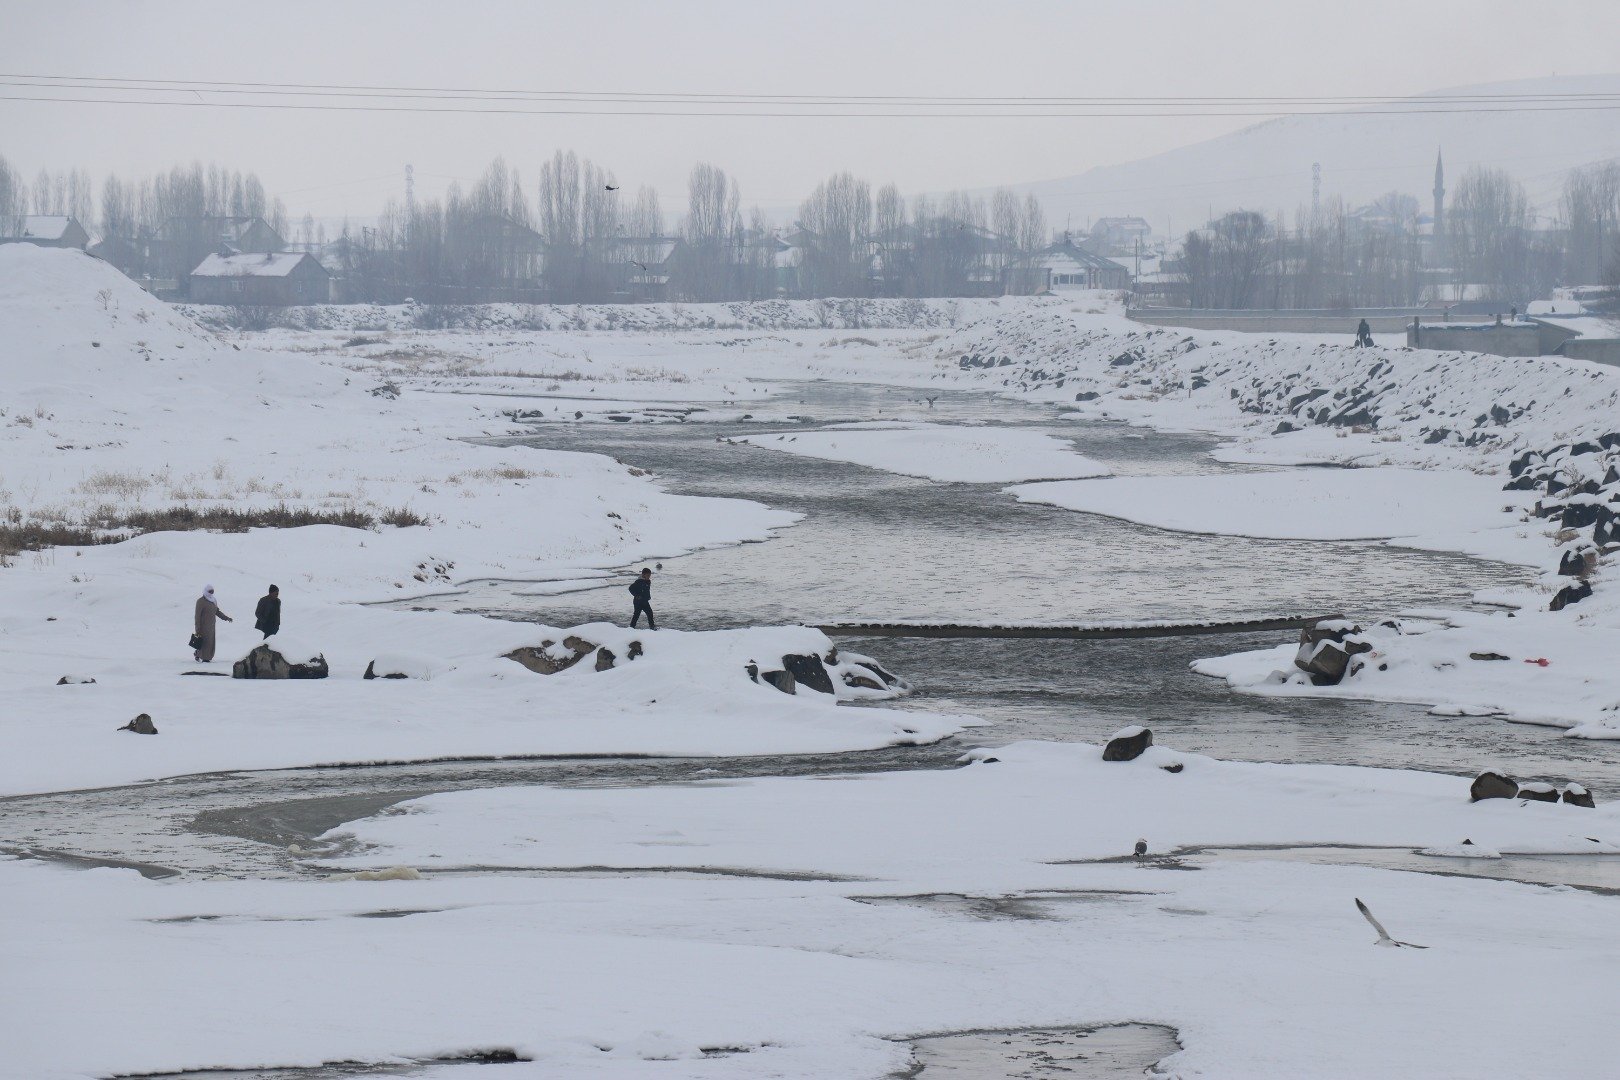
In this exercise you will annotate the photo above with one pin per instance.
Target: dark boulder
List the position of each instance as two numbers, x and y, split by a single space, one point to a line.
1487 656
1580 515
264 662
1492 785
782 680
1087 395
540 661
75 680
753 671
633 651
1173 768
141 725
1578 563
1283 427
1538 793
1576 795
861 682
807 670
1569 594
371 672
1128 744
1325 650
604 658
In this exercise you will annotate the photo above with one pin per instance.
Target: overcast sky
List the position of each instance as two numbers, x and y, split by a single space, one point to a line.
347 162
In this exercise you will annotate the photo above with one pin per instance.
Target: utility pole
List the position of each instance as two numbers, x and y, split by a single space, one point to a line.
410 190
1316 188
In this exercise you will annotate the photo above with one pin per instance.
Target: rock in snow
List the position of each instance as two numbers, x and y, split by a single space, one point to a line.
1128 744
1326 648
1492 785
1576 795
266 662
808 671
141 725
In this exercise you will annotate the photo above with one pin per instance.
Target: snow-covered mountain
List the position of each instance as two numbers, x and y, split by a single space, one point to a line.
1363 154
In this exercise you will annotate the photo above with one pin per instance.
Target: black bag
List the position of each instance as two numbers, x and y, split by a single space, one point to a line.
195 643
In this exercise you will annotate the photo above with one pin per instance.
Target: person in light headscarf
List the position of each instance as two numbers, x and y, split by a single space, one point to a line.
203 630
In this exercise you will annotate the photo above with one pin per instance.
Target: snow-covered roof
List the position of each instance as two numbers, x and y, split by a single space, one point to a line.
251 264
43 226
1587 326
1555 307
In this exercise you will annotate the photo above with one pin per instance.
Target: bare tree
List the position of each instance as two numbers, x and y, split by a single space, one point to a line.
712 231
1486 228
838 218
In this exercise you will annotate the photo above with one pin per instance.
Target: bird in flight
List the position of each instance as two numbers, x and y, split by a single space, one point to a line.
1383 935
611 187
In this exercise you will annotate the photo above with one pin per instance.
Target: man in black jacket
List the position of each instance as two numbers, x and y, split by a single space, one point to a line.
641 590
267 616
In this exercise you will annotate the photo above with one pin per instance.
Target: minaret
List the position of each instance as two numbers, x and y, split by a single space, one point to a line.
1439 196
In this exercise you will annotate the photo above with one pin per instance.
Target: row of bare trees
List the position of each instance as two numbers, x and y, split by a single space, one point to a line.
1378 256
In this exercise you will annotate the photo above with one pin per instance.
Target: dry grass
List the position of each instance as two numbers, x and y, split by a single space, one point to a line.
106 524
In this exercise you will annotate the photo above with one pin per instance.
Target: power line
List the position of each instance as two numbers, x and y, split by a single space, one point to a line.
362 90
760 113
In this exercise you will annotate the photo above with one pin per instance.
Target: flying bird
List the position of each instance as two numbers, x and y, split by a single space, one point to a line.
611 187
641 266
1141 850
1383 935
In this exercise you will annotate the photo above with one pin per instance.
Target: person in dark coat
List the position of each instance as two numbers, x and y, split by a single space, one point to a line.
203 616
641 590
267 616
1364 335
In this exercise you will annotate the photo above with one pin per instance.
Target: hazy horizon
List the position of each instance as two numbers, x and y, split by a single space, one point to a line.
342 162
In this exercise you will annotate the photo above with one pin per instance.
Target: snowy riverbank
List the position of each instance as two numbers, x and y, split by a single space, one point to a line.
118 413
1295 400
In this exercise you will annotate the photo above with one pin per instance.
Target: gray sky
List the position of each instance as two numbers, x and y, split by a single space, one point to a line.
343 162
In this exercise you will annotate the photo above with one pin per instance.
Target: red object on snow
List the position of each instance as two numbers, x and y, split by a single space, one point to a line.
1540 661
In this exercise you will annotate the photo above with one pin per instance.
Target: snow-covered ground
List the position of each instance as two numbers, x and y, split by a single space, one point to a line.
831 919
115 405
801 927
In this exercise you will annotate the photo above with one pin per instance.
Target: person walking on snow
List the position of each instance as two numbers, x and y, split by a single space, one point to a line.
267 616
1364 335
641 590
206 612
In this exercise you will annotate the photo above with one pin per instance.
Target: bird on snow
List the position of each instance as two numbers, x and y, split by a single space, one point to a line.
1383 935
1141 849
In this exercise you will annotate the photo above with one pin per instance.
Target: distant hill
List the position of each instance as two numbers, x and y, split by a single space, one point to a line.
1267 167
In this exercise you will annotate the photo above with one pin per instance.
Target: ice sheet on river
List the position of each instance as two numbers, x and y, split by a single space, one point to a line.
959 454
1308 504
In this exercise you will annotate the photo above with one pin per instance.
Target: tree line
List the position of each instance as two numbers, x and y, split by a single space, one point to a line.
1486 247
574 236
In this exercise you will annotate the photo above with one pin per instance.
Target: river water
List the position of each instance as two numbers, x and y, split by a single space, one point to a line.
878 547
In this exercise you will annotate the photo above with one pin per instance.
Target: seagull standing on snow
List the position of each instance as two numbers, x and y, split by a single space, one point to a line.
1141 849
1383 935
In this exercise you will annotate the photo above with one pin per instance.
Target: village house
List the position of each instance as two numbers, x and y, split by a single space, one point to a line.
256 279
1070 267
44 230
1119 235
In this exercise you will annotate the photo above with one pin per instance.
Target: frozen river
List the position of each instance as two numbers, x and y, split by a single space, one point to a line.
878 547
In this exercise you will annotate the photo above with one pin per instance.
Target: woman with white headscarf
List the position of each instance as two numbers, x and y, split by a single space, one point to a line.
202 638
